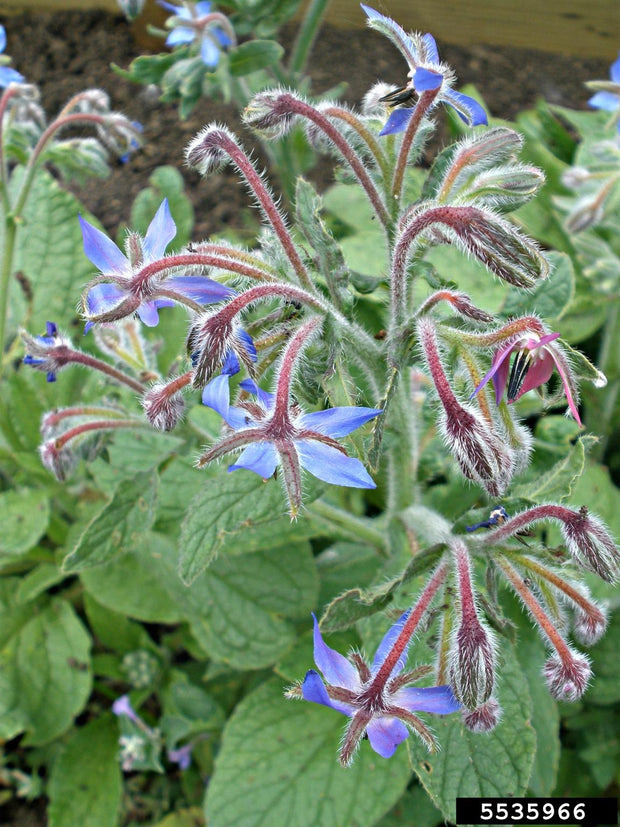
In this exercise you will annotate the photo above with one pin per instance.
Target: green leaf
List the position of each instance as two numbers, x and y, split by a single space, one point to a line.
415 807
119 526
357 603
50 253
236 513
148 69
254 55
278 765
85 784
113 630
25 517
238 617
550 298
161 597
45 676
496 763
190 817
557 484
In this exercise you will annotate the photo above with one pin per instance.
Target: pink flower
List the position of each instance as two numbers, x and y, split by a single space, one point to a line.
533 365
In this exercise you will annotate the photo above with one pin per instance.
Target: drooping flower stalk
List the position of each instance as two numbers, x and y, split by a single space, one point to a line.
207 150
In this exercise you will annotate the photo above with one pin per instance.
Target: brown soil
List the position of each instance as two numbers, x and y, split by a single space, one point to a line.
70 51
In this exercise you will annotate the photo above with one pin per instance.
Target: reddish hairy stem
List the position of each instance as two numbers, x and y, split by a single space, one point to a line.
222 262
100 425
536 610
411 624
285 375
422 106
354 161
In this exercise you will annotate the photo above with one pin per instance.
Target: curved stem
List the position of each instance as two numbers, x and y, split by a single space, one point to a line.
306 35
358 527
422 106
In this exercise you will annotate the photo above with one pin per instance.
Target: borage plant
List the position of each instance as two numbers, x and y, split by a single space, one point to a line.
376 475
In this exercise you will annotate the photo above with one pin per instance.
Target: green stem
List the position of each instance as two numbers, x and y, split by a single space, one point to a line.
307 33
608 357
5 275
358 527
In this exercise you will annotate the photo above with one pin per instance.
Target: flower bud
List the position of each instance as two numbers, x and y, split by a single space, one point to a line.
58 461
205 152
472 663
506 187
481 454
484 718
567 677
590 544
163 409
586 214
590 623
472 649
48 353
372 104
574 177
267 114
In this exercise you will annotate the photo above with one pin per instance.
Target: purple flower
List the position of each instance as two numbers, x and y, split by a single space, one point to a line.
39 346
181 756
376 697
122 707
533 365
7 75
119 297
425 72
306 440
608 99
212 38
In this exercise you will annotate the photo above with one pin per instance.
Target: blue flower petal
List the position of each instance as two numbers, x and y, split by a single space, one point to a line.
101 250
395 33
216 395
203 8
179 36
231 364
260 457
104 297
437 699
169 6
431 52
8 75
200 289
335 668
614 69
605 100
2 38
160 233
222 37
386 645
247 342
265 398
148 314
467 108
426 79
313 689
397 121
331 465
209 52
385 734
337 422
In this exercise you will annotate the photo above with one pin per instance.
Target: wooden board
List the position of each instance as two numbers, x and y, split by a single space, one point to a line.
570 27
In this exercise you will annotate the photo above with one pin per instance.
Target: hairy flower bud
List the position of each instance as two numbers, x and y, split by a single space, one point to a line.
267 114
484 718
590 623
472 650
590 544
58 461
506 187
164 407
205 152
481 454
567 677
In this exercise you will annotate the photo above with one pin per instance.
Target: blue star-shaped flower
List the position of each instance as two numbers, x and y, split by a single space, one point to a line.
212 38
115 299
381 705
293 441
426 73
